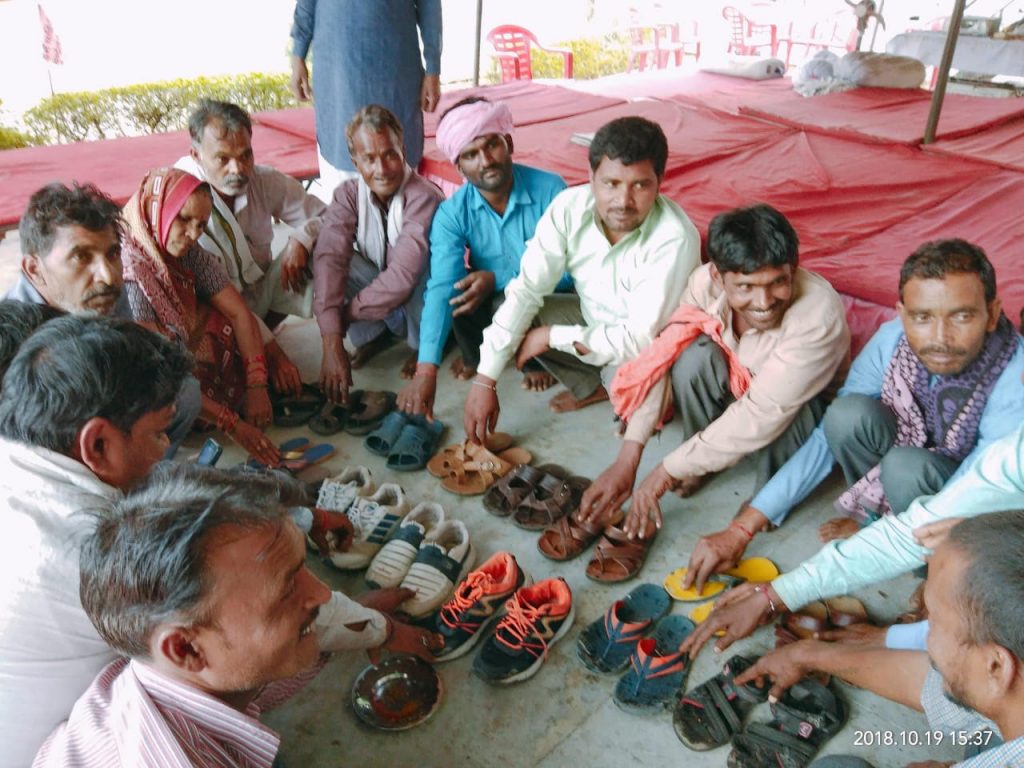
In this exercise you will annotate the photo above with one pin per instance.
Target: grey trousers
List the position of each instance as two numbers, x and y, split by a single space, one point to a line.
403 321
861 431
468 331
700 382
581 379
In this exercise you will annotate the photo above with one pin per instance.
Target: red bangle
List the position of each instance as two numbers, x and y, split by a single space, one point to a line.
735 524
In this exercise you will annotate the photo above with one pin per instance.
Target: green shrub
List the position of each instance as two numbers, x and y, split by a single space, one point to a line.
11 138
149 107
592 57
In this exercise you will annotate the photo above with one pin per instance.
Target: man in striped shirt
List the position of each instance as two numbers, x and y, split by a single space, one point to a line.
199 579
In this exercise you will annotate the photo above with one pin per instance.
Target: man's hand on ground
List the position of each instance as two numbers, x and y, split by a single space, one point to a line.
474 287
536 342
738 612
605 496
417 397
480 416
295 272
645 504
783 667
300 80
405 638
284 374
714 553
335 370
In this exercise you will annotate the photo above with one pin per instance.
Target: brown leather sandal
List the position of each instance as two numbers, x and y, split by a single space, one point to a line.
569 538
505 495
617 557
554 496
481 469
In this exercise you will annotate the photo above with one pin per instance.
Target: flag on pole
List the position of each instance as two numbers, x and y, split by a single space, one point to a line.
51 42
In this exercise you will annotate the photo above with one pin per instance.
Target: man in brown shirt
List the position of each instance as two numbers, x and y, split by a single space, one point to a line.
782 326
372 253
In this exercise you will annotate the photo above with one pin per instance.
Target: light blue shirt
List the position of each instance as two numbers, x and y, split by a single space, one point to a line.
991 482
1004 411
496 244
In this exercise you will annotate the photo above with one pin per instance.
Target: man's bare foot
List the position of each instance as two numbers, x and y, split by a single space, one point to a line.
462 371
564 402
838 528
408 369
688 486
538 381
365 353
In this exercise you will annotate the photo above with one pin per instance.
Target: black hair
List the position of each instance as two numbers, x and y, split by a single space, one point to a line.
938 258
630 140
79 367
992 589
55 205
231 117
18 321
745 240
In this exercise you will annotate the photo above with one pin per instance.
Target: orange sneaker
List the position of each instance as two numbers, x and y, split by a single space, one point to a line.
536 618
477 602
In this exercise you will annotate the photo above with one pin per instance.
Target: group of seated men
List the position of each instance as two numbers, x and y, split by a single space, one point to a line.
597 287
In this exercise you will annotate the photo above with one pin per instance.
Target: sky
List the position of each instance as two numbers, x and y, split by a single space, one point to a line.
119 42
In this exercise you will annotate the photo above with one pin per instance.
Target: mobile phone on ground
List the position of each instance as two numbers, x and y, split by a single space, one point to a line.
210 453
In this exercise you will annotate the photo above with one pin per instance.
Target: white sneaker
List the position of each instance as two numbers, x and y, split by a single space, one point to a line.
392 562
440 564
339 492
374 518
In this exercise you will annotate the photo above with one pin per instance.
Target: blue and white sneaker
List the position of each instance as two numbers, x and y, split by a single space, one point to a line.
442 562
374 519
391 564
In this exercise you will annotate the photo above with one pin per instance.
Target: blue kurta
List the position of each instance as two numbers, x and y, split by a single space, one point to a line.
367 52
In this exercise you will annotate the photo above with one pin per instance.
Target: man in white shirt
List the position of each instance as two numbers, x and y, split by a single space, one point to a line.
248 199
629 251
199 578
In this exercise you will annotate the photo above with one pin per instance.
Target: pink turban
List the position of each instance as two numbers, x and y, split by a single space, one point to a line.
471 121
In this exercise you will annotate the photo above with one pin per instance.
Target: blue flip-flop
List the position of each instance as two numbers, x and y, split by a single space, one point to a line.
296 446
416 443
312 455
606 644
382 440
657 670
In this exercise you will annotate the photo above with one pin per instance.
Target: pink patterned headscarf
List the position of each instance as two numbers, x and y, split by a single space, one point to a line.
470 121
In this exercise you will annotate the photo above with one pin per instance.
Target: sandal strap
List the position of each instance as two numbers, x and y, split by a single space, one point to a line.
768 738
556 504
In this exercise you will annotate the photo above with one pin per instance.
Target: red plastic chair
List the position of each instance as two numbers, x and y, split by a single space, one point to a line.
746 37
512 47
643 43
670 43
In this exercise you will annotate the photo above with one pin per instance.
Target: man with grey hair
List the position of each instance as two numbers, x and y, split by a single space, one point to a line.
970 682
373 252
199 578
248 199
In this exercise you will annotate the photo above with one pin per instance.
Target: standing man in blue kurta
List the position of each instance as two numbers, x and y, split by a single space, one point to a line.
491 216
366 52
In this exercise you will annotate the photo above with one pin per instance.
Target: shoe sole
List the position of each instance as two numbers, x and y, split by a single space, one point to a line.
534 668
484 630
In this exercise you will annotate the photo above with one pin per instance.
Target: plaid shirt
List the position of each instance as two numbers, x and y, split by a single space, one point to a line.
945 715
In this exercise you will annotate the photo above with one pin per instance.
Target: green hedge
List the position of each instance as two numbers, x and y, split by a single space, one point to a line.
11 138
592 57
148 108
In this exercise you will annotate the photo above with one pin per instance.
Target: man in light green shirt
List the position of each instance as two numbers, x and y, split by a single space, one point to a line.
886 548
629 251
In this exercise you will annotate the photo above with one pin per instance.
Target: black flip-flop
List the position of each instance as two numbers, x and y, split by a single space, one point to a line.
292 411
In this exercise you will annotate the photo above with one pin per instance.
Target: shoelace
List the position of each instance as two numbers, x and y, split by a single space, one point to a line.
364 517
519 622
465 597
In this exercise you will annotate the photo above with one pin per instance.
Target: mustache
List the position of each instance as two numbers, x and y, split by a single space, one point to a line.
237 180
936 349
109 290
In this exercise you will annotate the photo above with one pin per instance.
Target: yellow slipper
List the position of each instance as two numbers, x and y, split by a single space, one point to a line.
756 569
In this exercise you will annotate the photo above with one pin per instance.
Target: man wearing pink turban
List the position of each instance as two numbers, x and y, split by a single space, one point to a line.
491 217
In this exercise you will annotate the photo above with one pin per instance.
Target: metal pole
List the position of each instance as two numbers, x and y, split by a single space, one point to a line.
476 49
944 64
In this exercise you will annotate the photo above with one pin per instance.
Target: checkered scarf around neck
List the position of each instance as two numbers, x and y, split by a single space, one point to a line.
943 417
169 288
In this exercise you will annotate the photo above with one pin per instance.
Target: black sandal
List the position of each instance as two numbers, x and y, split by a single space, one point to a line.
713 712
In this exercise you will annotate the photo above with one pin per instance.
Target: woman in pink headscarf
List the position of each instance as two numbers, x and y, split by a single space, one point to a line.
180 290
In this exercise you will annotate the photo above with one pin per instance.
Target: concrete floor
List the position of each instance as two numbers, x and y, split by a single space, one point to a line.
565 714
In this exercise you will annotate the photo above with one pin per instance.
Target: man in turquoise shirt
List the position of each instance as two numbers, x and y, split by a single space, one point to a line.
492 216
